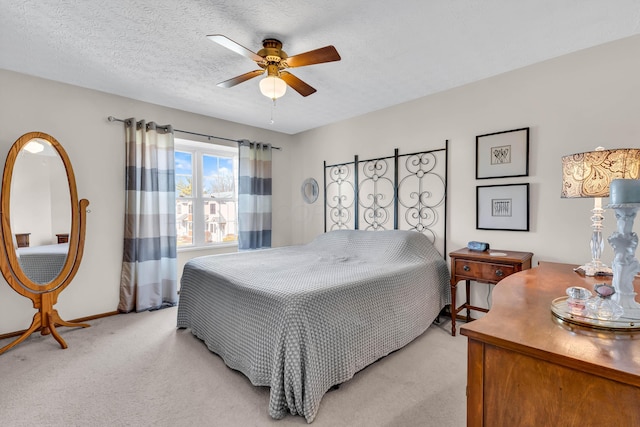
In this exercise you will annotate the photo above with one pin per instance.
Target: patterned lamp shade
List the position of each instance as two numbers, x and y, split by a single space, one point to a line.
590 174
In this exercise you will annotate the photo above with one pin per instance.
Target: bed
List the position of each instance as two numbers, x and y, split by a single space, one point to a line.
43 263
301 319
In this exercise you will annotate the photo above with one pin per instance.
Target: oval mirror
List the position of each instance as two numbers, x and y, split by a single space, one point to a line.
38 178
309 190
40 212
42 226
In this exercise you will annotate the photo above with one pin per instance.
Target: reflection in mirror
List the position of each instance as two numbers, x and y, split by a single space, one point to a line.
40 210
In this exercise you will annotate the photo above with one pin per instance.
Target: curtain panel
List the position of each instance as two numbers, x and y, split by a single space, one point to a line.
149 264
254 195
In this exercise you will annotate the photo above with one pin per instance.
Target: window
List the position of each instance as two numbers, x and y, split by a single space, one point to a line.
206 193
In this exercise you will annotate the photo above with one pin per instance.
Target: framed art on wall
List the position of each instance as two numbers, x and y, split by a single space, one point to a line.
502 207
502 154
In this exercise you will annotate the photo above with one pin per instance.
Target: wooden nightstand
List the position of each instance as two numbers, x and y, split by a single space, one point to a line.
484 267
22 240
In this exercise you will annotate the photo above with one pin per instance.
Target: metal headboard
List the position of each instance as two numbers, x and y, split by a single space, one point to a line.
400 192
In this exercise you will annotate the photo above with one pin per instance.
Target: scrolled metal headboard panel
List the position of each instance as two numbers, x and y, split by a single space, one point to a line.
402 192
340 197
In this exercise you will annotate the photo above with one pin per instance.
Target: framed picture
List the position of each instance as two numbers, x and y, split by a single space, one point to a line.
502 154
502 207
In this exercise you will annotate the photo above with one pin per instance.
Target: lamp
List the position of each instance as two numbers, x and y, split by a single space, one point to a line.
589 174
273 86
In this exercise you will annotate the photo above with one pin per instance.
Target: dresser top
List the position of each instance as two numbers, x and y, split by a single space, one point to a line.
520 319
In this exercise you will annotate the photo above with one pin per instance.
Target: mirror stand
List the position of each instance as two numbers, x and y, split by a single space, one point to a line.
45 320
43 293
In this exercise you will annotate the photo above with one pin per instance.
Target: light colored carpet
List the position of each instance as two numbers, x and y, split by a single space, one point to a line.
138 370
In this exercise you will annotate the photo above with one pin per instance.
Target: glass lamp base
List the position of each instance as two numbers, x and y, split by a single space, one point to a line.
591 269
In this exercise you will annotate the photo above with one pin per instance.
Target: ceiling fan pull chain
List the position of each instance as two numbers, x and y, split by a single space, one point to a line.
273 107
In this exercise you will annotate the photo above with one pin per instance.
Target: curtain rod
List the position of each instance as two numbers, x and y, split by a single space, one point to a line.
113 119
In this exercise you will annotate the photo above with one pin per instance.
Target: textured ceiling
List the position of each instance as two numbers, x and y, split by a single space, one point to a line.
392 52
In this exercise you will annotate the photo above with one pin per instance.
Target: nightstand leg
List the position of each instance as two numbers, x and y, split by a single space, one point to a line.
468 298
453 309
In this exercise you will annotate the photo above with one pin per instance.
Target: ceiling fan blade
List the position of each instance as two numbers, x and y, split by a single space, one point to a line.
231 45
298 85
239 79
317 56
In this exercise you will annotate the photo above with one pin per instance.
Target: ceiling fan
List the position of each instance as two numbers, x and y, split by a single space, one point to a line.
272 59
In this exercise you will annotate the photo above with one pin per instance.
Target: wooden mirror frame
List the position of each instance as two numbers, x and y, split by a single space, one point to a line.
43 296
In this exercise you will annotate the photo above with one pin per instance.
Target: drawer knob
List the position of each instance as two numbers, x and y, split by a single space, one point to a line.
499 273
466 268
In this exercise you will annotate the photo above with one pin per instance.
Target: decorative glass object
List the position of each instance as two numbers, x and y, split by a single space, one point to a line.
577 300
562 311
602 306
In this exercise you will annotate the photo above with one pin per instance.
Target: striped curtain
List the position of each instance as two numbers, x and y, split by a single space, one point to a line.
149 279
254 195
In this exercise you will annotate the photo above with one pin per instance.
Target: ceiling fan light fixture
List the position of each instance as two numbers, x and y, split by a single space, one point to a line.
34 146
273 87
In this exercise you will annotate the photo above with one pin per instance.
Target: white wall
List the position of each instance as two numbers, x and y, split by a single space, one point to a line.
31 198
77 118
572 104
39 198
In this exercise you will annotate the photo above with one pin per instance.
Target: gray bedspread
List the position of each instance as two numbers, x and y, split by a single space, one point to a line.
301 319
43 263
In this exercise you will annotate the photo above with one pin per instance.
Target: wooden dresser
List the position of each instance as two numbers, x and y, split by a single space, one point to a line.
528 368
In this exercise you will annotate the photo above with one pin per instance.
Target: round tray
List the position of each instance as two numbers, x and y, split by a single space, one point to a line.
560 309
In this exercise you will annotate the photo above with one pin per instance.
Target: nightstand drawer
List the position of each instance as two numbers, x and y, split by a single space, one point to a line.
482 271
